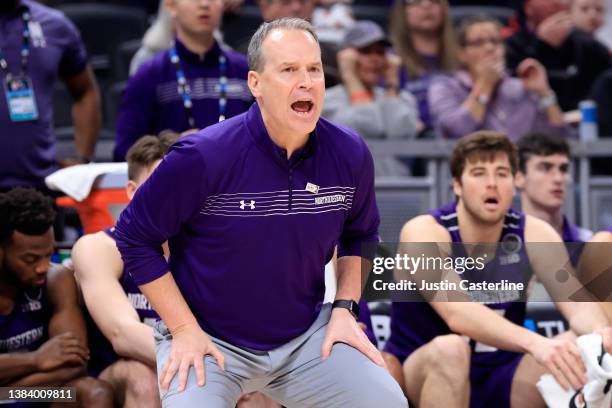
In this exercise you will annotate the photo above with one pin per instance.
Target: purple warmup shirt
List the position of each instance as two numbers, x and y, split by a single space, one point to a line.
27 149
414 324
102 352
25 328
151 102
249 231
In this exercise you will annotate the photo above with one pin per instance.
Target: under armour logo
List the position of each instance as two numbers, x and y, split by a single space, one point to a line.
244 204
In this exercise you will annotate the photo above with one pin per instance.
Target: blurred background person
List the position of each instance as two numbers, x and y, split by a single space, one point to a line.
587 15
422 34
38 46
275 9
195 84
572 58
481 96
543 179
360 102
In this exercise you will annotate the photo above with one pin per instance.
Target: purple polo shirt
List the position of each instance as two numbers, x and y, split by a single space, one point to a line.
248 239
27 149
151 102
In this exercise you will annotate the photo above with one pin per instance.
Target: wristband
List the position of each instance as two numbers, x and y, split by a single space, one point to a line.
361 97
547 101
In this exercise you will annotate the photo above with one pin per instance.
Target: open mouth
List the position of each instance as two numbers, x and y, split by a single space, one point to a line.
491 203
302 107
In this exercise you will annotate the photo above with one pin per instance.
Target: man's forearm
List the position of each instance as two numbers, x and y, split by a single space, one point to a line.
86 118
135 340
586 317
52 378
14 365
349 279
167 300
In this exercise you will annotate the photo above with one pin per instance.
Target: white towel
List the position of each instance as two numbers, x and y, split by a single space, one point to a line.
77 181
596 393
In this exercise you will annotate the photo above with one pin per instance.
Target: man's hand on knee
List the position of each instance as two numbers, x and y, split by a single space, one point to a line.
189 346
343 328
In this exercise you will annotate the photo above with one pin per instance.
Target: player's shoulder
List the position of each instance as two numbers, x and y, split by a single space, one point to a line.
602 236
424 228
97 242
537 230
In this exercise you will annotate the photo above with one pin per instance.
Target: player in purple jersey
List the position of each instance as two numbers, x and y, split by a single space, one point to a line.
43 341
124 353
459 354
543 179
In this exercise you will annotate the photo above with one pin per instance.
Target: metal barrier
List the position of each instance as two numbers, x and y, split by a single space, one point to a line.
591 207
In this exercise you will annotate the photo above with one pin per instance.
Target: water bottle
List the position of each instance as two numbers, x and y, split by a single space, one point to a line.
588 121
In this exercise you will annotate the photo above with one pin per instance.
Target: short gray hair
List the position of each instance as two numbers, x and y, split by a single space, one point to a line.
255 53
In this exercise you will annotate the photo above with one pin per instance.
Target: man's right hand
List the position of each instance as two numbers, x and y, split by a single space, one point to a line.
562 359
555 29
189 347
59 350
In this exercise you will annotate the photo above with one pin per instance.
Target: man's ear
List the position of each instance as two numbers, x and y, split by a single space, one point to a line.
130 189
253 83
519 180
457 188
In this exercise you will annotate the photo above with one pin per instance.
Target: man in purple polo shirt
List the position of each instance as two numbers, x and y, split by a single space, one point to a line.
38 44
193 85
543 179
252 209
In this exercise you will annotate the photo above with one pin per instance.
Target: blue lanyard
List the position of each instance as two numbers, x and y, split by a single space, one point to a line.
185 91
25 48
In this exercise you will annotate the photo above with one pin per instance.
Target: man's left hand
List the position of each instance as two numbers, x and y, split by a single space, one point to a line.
343 328
533 75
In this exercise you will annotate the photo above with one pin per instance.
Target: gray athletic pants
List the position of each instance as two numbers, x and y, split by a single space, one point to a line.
293 375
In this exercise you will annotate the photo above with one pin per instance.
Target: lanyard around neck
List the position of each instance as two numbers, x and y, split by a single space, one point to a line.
184 90
25 48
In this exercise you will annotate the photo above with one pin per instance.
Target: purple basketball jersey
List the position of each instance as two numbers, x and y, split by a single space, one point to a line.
25 328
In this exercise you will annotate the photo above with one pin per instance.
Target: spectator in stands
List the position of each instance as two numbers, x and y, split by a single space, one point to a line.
587 15
361 103
543 179
500 362
422 34
481 96
123 354
193 85
275 9
38 45
572 58
43 341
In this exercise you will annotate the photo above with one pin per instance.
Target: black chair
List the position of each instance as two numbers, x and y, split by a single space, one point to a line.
104 26
123 57
239 28
112 103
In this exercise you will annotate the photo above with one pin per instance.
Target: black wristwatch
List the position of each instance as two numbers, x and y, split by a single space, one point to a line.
351 305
